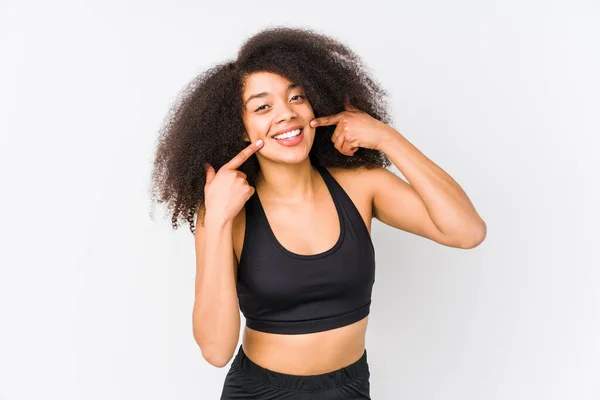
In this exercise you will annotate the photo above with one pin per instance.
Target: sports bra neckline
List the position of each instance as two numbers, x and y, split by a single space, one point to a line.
323 172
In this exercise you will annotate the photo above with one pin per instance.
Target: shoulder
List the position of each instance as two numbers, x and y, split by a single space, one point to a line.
364 179
360 185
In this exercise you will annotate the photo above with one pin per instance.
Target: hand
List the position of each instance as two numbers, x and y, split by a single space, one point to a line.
226 191
355 128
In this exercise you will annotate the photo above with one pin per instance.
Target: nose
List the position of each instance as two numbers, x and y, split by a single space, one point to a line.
286 113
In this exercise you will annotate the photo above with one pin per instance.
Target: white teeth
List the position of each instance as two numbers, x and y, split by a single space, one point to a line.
288 135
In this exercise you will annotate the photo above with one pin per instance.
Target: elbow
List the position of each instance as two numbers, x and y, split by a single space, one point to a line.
476 237
216 348
217 356
216 359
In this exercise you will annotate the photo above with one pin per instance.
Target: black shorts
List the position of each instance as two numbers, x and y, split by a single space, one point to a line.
247 380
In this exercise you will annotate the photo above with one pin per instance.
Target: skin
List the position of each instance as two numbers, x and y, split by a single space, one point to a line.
431 204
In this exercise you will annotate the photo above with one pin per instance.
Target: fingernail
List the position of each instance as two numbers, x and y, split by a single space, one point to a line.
313 123
259 142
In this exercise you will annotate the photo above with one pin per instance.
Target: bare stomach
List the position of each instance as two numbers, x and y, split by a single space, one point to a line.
306 354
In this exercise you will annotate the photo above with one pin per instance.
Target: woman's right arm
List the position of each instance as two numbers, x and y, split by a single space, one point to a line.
216 317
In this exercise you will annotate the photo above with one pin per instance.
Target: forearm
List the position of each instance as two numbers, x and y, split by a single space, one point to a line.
216 319
447 204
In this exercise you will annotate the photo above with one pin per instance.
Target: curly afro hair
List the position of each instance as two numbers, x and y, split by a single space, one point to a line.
205 124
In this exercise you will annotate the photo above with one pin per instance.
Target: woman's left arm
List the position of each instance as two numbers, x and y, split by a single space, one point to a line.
432 204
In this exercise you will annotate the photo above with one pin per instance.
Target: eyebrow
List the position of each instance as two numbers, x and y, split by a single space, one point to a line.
263 94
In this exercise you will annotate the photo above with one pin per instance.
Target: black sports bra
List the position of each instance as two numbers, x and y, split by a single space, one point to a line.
287 293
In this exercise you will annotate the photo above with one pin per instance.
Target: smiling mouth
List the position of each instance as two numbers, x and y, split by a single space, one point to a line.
288 135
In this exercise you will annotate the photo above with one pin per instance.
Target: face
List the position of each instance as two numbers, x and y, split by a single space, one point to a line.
278 112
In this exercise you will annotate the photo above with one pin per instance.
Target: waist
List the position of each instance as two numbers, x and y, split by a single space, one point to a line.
354 372
306 354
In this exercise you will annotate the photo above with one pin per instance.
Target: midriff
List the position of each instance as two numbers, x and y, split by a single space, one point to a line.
306 354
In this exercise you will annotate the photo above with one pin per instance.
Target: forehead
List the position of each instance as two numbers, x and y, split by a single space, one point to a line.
264 82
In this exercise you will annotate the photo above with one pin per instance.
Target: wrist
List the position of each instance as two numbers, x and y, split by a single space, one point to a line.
389 138
216 220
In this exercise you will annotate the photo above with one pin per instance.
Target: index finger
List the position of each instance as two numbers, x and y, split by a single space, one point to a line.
325 121
243 155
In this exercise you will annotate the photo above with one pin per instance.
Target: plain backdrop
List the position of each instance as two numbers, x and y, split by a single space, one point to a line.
96 291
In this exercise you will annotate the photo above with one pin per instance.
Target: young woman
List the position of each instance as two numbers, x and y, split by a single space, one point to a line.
277 161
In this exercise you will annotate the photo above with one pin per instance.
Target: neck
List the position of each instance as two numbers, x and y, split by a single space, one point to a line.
286 182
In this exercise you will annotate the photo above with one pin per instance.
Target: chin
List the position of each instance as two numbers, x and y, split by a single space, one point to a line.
295 156
289 158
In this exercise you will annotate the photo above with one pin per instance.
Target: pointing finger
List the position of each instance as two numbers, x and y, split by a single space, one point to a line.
243 155
325 121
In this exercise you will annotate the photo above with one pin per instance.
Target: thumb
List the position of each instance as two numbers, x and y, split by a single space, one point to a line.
346 101
347 105
210 173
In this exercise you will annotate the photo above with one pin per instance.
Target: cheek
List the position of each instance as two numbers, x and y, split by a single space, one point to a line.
259 131
306 111
256 127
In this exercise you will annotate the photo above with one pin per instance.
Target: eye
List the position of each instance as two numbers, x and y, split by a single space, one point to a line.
299 96
261 108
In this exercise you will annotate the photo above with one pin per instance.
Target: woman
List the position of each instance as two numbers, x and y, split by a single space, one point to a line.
278 163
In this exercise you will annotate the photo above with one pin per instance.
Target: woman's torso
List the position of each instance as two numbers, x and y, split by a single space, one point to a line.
294 228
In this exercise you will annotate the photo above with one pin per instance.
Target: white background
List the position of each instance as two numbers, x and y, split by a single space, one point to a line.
96 296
